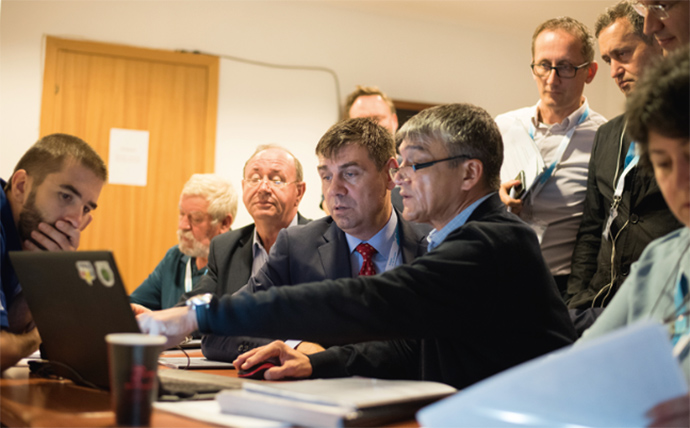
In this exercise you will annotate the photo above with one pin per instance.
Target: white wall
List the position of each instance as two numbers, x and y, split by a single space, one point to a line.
480 54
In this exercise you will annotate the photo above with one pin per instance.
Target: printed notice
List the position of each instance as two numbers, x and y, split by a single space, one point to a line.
128 157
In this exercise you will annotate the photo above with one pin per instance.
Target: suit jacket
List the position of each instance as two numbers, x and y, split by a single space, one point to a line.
480 302
313 252
229 262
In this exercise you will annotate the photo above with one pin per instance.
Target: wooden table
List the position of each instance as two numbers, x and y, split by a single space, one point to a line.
30 401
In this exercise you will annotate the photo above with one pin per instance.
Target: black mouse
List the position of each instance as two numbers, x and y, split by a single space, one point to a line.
257 370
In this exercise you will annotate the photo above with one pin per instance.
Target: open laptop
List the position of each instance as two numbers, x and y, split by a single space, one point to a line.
76 299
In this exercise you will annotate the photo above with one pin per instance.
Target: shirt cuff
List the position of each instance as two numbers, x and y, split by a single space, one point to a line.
293 343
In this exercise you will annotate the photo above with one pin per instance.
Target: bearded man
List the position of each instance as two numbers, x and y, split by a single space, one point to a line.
208 205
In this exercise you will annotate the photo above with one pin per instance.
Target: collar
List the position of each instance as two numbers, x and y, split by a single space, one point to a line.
9 229
570 121
436 237
382 241
257 245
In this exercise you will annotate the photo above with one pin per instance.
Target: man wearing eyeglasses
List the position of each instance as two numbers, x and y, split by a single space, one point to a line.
272 189
624 209
667 21
480 301
548 145
363 236
208 205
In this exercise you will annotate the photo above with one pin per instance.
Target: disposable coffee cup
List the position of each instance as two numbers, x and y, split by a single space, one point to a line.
133 361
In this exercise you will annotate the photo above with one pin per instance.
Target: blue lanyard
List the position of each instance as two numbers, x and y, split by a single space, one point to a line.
681 324
630 156
548 172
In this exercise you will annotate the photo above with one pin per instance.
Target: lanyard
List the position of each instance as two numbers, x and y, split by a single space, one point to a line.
680 301
631 160
188 276
539 182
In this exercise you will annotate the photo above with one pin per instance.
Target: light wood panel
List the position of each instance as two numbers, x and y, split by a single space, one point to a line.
90 88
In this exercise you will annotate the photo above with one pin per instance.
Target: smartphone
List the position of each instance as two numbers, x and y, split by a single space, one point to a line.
519 190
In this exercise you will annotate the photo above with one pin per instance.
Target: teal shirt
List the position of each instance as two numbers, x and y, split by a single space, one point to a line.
164 286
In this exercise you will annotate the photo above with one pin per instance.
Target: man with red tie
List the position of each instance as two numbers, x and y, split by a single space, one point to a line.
364 234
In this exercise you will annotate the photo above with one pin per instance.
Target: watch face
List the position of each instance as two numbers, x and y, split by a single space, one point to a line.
200 300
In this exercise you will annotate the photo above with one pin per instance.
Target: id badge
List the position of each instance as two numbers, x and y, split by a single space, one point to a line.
613 213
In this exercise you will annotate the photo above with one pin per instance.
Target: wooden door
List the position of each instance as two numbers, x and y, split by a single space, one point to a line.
89 88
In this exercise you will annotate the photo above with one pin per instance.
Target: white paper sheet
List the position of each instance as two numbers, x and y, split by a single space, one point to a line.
609 382
209 411
194 363
128 157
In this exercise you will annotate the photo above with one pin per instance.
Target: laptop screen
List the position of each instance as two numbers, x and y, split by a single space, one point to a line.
76 298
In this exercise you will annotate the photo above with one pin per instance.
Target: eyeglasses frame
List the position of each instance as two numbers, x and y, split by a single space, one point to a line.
551 68
417 166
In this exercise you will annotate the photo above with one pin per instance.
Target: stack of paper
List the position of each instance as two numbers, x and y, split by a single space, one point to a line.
608 382
333 402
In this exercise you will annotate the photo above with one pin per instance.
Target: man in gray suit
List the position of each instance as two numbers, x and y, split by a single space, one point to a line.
354 159
272 189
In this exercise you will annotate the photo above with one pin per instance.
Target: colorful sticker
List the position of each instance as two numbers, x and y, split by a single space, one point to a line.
86 271
105 273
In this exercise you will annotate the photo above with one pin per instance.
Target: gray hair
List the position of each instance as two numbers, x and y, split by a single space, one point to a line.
464 129
220 194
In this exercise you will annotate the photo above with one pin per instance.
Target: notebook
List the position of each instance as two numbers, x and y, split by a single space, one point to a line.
76 298
354 401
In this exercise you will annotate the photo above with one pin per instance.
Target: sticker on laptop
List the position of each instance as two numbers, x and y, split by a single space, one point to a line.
86 271
105 273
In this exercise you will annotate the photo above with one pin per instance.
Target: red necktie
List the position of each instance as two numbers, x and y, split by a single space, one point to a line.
366 251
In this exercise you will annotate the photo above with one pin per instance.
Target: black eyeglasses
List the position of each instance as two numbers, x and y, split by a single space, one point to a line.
564 71
417 166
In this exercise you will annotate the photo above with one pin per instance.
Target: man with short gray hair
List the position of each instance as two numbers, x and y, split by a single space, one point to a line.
556 137
624 209
363 234
427 311
208 205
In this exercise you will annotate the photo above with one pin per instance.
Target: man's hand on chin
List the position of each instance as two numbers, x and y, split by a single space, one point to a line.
61 237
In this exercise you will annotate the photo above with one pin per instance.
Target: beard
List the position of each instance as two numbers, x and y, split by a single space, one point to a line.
29 218
196 249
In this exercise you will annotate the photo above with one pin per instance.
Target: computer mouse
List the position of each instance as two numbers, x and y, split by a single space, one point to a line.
257 370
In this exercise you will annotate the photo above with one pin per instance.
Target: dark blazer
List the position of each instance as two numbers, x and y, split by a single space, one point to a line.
313 252
479 303
229 262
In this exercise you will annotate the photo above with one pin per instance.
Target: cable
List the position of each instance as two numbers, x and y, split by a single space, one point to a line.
189 360
336 81
47 369
608 287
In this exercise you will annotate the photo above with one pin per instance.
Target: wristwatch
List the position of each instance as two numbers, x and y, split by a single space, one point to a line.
199 300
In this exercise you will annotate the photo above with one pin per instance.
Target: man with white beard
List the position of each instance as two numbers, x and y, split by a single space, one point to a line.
208 205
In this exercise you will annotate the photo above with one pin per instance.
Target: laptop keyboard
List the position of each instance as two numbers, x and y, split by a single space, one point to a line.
177 385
